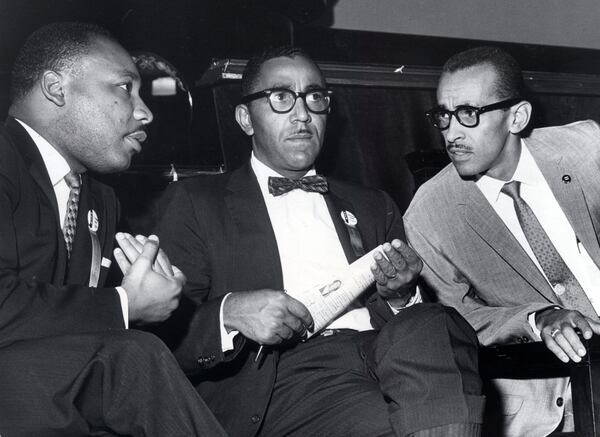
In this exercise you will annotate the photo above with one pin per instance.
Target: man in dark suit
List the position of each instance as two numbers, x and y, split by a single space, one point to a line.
240 244
513 243
68 365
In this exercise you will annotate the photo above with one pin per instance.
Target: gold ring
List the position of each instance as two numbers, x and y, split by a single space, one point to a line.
554 332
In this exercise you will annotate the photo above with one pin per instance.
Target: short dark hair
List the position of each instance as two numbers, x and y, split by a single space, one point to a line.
56 46
252 69
509 80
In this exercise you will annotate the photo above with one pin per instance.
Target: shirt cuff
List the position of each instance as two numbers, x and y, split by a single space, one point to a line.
531 320
415 298
124 305
226 337
536 331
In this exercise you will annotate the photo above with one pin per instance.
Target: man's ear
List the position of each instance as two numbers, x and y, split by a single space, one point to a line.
242 116
521 114
52 87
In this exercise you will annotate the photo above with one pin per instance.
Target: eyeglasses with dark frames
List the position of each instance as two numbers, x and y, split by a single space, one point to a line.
283 100
466 115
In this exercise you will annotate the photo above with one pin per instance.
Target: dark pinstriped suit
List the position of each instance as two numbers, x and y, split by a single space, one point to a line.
217 230
67 365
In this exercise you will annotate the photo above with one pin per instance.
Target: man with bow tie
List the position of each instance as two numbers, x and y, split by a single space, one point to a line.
244 237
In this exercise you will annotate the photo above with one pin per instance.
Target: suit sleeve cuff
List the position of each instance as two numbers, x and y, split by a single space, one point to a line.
124 305
415 299
226 337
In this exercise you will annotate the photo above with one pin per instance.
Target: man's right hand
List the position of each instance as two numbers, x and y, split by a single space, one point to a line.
266 316
557 327
152 284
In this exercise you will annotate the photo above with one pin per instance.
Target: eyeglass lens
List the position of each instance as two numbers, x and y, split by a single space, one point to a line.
284 100
467 116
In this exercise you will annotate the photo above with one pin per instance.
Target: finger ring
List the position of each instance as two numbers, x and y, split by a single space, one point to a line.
554 332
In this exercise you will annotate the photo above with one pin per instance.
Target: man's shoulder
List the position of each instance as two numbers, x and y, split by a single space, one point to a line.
11 161
580 134
441 189
203 187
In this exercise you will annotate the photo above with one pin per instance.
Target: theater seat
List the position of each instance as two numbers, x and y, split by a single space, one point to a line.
534 360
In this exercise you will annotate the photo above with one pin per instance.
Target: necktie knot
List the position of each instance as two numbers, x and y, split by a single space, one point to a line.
314 184
73 179
512 189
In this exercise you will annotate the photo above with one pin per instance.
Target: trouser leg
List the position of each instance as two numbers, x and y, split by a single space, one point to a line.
323 389
426 361
117 383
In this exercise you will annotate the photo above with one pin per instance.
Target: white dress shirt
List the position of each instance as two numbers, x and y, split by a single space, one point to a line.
309 247
57 168
538 195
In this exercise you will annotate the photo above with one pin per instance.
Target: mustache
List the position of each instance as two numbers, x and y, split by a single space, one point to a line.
301 131
458 147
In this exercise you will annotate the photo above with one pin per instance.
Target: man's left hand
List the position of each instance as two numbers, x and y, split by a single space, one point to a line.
396 275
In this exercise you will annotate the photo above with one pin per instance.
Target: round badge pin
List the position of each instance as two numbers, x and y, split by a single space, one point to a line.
349 218
93 222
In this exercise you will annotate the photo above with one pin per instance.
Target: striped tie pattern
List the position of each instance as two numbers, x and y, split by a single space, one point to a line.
565 285
73 180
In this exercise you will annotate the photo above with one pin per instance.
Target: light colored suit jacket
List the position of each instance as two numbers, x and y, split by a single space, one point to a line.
474 263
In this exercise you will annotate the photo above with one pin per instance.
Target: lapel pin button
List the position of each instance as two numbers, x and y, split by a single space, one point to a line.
349 218
93 222
566 178
559 289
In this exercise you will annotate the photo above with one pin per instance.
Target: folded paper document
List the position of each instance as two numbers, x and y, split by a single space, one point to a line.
329 300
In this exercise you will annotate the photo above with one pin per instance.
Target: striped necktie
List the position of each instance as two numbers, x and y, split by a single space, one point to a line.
73 180
565 285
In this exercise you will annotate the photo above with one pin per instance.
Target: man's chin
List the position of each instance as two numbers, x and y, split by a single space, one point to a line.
465 171
115 166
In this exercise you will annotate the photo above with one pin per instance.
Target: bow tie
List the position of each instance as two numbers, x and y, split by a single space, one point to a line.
314 184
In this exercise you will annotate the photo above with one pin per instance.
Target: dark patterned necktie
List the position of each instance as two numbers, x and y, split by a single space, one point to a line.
313 184
565 285
73 180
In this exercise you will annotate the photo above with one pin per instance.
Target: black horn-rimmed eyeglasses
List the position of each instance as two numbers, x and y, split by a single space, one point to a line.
282 100
466 115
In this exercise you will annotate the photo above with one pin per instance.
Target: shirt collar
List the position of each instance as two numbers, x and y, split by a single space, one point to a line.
263 172
56 165
527 172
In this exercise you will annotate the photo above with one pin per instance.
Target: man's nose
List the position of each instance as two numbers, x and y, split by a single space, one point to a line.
142 112
300 111
455 130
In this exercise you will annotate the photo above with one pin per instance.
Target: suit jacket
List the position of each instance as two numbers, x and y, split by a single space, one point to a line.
217 230
37 296
474 263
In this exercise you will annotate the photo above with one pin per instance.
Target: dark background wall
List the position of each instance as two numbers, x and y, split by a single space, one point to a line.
192 32
377 134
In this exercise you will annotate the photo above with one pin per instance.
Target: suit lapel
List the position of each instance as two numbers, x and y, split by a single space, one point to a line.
564 180
336 205
482 218
260 259
33 159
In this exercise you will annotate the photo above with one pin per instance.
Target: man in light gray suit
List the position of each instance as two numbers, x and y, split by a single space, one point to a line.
508 232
